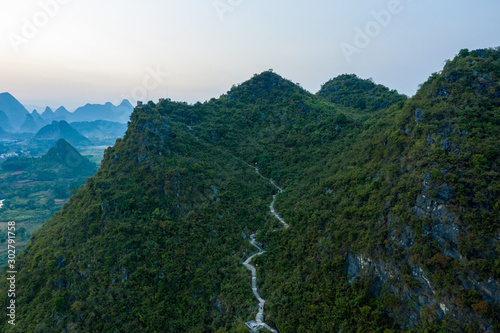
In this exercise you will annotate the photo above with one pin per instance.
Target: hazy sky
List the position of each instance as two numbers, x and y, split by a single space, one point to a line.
72 52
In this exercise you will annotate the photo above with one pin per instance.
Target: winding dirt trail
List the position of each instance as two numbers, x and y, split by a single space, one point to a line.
258 323
254 326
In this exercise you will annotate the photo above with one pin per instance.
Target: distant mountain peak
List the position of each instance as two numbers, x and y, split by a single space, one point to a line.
48 114
14 110
61 109
65 155
125 103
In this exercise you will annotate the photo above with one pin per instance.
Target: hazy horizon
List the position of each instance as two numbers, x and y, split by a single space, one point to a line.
70 53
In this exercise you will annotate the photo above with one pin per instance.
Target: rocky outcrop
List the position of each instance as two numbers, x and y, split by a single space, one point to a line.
446 145
446 231
415 289
447 236
419 116
386 276
434 207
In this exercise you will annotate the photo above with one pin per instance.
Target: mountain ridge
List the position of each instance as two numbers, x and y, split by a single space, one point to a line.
393 215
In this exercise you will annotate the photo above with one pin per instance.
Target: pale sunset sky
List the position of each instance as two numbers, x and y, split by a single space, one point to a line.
73 52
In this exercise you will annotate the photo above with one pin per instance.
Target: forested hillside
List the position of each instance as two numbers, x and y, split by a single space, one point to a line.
393 206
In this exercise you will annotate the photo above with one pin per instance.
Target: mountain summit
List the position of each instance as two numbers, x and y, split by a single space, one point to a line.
263 86
364 95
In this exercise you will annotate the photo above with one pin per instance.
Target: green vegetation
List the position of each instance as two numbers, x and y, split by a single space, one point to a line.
393 207
36 188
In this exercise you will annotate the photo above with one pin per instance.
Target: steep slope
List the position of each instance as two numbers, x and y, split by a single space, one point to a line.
362 95
50 134
5 122
195 200
410 214
13 109
161 237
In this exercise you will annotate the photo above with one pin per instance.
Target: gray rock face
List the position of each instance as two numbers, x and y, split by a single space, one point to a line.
426 207
214 190
360 265
444 194
490 287
443 92
446 232
446 145
419 116
422 294
447 236
449 232
405 238
386 274
434 207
